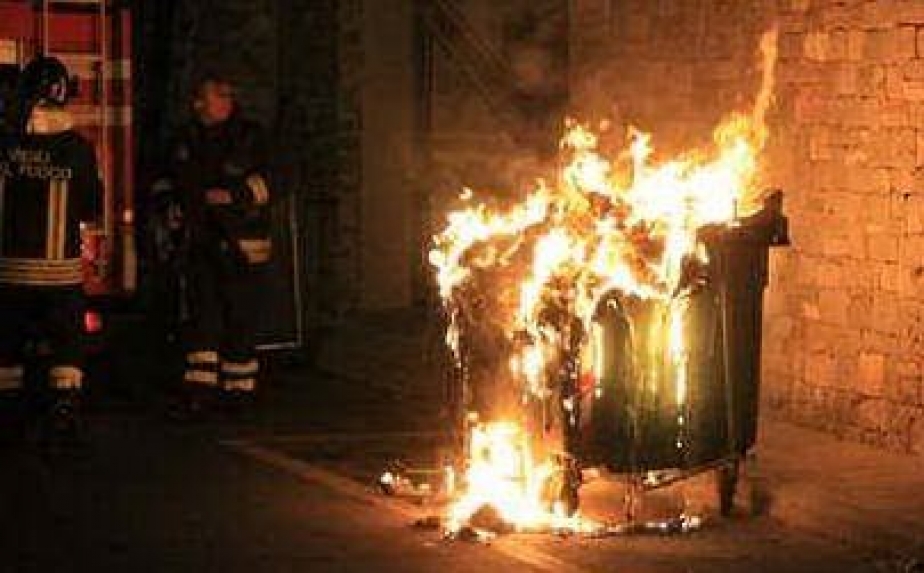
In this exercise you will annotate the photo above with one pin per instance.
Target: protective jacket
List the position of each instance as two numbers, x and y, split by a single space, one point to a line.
49 184
229 156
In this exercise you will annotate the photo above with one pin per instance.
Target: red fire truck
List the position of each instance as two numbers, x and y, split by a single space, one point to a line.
93 38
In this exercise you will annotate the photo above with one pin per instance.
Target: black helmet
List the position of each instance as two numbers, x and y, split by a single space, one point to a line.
45 80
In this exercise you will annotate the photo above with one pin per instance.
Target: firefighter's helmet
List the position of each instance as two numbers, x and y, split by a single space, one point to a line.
46 81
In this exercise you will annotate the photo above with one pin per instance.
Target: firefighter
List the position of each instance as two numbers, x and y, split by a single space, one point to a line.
49 187
219 177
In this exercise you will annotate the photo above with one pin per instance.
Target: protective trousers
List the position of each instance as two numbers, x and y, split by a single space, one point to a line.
221 333
41 322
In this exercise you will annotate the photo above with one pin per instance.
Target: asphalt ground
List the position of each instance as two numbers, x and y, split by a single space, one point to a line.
292 488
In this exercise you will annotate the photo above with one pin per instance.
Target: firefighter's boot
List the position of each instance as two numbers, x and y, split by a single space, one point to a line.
61 427
66 415
239 387
12 419
12 406
63 422
200 386
195 403
240 405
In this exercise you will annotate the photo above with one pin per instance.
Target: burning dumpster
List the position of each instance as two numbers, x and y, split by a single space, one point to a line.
610 317
629 417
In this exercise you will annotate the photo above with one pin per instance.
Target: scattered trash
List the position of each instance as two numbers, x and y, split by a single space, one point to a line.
391 482
679 525
400 480
487 522
473 534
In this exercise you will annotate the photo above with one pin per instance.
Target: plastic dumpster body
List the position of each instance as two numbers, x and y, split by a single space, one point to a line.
631 419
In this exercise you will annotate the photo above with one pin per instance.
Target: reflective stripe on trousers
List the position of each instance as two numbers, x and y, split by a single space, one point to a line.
202 368
240 376
66 378
11 377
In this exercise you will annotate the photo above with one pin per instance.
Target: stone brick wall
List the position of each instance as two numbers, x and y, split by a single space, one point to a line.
844 327
315 149
389 154
352 69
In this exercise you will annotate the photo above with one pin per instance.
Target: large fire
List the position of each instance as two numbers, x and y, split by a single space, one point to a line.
621 223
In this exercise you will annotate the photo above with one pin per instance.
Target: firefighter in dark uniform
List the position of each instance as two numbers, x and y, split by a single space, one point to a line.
219 178
49 186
